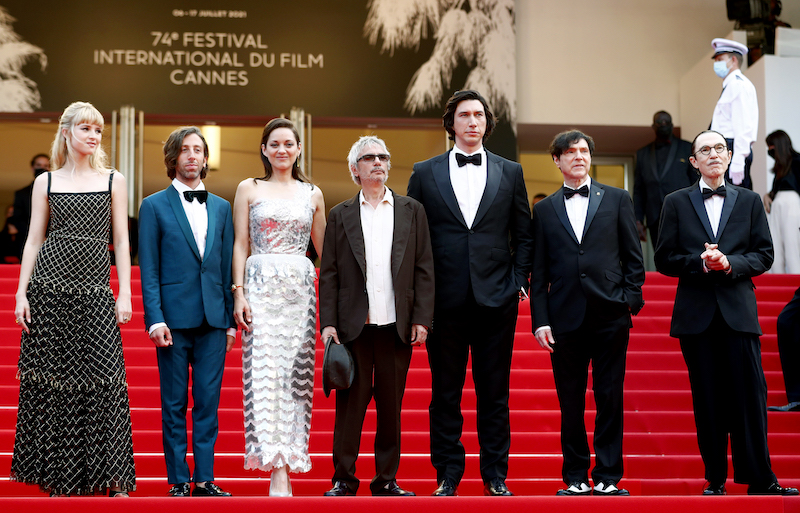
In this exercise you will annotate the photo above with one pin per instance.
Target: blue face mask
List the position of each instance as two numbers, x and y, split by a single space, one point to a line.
721 68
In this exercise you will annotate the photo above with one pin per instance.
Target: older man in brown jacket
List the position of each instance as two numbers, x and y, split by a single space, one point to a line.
376 295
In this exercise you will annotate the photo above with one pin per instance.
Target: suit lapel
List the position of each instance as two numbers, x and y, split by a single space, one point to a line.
175 202
727 208
561 212
402 229
211 209
351 220
651 159
595 198
494 172
441 175
696 197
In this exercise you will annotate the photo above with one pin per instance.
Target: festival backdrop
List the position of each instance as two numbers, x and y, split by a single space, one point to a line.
341 58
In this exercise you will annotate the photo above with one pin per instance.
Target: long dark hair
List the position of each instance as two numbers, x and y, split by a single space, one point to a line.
783 152
273 125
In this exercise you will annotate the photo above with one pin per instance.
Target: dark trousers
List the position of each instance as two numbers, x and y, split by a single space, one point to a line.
204 350
382 361
729 393
489 334
604 343
789 346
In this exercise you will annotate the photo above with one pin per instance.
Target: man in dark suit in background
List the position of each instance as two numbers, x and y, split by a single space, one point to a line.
714 237
376 291
661 167
479 219
22 201
788 329
586 282
185 250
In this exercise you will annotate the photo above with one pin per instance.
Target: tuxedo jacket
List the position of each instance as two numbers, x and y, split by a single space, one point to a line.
179 288
651 186
343 301
743 236
493 256
604 271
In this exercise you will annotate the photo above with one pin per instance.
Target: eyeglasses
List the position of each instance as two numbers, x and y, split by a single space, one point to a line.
370 157
706 150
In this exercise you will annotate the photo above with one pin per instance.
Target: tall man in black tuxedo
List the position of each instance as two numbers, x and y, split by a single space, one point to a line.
185 251
714 237
586 282
661 167
479 221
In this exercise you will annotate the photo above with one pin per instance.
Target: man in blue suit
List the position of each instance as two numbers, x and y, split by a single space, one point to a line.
185 248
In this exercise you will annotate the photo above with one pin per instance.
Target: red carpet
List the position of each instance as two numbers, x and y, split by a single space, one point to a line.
661 456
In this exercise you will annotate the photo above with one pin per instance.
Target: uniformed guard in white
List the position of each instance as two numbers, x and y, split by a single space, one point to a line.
736 113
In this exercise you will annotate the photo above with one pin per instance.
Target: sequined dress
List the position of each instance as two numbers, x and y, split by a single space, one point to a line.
73 425
278 354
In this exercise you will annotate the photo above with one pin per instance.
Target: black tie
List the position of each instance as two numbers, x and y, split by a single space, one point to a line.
583 191
463 160
200 195
707 193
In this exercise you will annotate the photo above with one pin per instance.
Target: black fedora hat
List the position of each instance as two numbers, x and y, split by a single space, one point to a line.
338 368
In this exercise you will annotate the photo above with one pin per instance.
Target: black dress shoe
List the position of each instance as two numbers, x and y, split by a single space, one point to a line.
576 488
209 490
715 489
496 487
773 489
794 406
391 489
446 489
179 490
340 489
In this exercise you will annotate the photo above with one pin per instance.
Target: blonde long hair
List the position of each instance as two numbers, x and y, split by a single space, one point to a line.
61 150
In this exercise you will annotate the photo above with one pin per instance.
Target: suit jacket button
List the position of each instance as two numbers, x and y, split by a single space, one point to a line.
472 231
580 252
583 275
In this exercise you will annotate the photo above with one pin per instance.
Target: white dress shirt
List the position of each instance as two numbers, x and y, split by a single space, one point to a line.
196 213
736 117
377 227
713 207
577 208
468 183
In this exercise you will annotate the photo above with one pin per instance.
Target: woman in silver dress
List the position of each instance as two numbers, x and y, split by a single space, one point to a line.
274 217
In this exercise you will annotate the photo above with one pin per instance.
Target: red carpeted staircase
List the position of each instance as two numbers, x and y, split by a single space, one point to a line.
661 455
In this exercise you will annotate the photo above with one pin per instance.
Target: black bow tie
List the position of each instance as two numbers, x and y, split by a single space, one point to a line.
201 196
583 191
463 160
707 193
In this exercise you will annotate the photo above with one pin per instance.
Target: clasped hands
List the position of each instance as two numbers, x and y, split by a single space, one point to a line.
714 259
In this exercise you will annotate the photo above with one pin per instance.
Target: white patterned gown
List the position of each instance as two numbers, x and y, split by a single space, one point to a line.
278 354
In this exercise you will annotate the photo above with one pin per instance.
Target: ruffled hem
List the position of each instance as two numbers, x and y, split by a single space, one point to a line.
297 463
